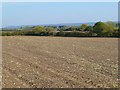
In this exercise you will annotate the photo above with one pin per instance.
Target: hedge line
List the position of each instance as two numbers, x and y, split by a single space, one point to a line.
61 33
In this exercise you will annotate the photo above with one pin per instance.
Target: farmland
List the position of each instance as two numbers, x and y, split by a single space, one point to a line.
59 62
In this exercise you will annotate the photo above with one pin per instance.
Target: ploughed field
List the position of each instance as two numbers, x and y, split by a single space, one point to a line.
59 62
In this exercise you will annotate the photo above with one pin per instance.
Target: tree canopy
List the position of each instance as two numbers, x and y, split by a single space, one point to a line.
89 28
83 27
99 29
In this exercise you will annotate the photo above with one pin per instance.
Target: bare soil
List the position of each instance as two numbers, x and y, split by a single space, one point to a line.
59 62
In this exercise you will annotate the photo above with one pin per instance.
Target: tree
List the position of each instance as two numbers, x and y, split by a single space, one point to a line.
73 28
83 27
112 25
102 29
38 30
89 28
50 30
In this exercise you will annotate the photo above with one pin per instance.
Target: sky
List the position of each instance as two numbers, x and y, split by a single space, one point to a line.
37 13
60 0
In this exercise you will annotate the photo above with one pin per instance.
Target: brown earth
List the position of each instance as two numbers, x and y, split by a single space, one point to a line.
56 62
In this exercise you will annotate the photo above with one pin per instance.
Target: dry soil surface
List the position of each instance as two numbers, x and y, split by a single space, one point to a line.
59 62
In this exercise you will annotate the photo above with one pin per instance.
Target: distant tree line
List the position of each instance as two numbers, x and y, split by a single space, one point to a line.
99 29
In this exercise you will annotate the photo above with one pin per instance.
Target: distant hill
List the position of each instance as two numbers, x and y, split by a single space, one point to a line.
70 24
13 27
62 24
